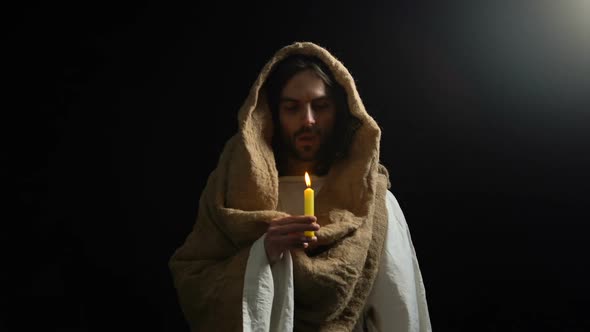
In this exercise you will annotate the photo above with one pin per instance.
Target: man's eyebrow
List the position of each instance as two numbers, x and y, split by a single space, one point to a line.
287 99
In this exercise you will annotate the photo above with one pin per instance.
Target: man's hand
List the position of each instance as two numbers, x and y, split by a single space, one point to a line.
287 233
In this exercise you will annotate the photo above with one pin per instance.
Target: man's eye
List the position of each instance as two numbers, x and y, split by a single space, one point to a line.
290 108
322 106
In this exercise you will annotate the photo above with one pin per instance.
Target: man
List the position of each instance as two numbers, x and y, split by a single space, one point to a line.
247 264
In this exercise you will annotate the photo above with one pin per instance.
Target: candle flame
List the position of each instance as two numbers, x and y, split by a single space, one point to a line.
307 180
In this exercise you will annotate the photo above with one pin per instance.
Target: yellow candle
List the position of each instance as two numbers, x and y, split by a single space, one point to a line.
308 203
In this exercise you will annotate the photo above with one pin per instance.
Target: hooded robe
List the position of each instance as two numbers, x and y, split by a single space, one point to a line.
331 288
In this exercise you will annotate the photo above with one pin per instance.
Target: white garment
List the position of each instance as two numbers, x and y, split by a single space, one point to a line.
397 301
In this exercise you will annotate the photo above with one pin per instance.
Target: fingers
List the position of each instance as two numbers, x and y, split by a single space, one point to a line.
296 241
287 233
292 228
290 241
295 220
298 238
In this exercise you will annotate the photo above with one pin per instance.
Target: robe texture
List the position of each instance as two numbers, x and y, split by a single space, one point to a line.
240 200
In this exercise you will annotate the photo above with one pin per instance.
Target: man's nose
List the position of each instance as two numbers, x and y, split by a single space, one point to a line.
309 117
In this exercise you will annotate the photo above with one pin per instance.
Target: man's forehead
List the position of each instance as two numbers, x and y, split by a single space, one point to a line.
304 86
285 98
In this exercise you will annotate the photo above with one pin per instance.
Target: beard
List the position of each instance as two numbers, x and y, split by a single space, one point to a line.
307 152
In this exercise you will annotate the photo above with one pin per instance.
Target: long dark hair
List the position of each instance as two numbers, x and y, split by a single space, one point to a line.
345 124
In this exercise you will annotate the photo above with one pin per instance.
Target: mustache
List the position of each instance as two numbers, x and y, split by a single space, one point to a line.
308 130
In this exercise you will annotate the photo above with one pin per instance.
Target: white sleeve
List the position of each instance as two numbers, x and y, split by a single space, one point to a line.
398 299
268 295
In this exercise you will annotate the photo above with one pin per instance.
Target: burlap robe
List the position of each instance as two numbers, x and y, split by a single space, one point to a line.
239 202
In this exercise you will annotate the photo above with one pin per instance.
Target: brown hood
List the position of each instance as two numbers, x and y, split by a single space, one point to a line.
240 200
256 128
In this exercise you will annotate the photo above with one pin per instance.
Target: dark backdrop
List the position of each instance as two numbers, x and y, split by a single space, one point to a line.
122 111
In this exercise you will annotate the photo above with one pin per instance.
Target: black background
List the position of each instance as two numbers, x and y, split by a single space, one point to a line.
121 112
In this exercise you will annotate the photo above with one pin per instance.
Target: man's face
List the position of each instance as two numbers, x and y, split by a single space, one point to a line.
306 115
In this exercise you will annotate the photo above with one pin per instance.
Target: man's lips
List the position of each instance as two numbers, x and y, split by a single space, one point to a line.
306 138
